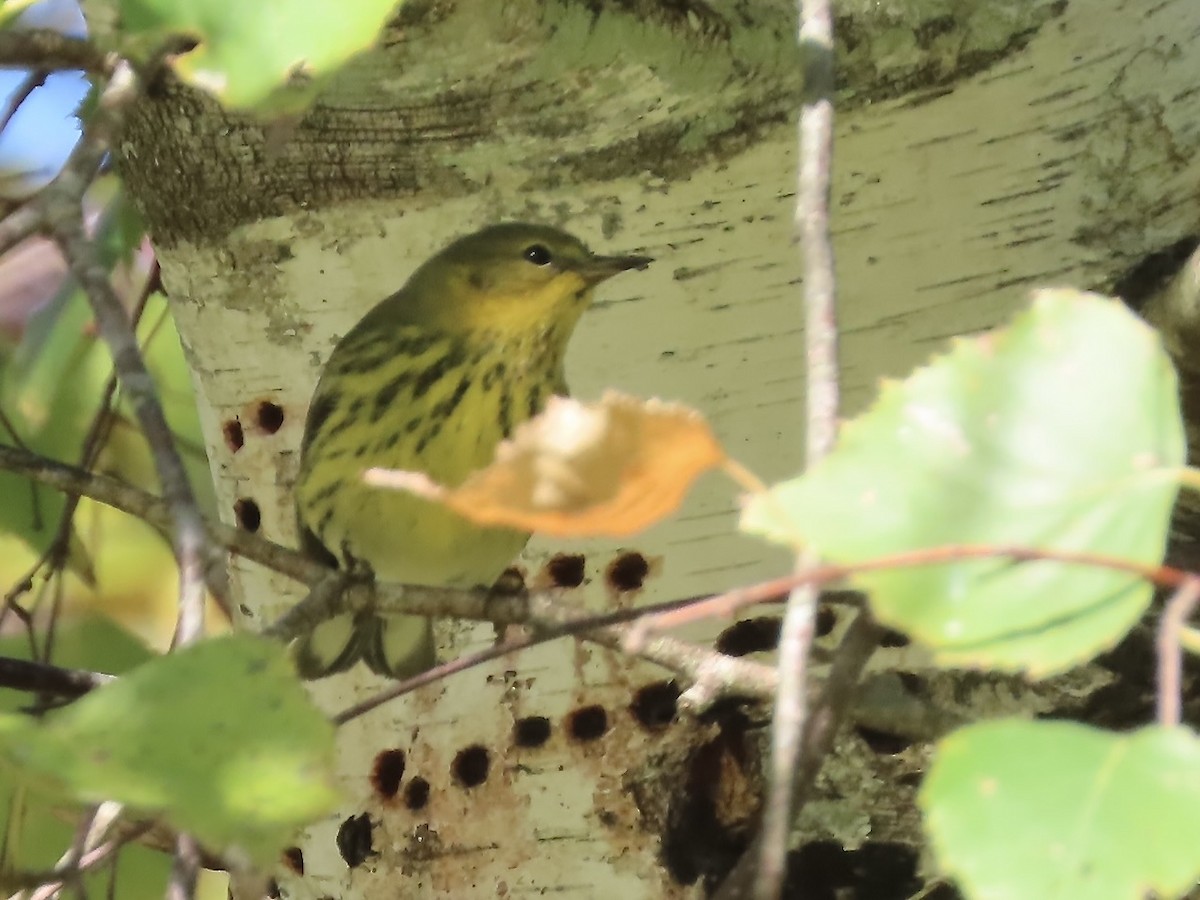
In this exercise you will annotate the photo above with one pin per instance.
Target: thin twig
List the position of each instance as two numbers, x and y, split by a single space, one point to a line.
788 725
66 226
58 590
94 441
549 620
481 605
812 222
729 603
44 48
831 708
1170 652
155 511
185 869
22 586
43 678
325 599
821 387
94 825
470 604
23 222
552 620
75 864
100 427
30 83
538 609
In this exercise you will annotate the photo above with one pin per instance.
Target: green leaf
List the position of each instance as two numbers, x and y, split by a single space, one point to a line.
49 389
39 829
219 738
1061 431
248 51
51 386
1059 811
37 833
84 640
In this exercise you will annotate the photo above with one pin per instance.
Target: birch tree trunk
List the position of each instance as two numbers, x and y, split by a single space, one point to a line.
982 149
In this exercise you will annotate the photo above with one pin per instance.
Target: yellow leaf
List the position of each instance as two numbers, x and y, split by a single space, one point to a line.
610 468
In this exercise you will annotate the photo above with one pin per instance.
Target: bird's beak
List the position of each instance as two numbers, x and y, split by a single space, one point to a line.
598 268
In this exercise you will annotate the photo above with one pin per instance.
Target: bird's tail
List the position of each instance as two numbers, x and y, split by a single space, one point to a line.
394 646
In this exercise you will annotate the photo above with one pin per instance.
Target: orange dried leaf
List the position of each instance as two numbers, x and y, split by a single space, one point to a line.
610 468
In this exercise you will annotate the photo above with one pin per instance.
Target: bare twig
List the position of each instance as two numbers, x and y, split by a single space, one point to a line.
729 603
1170 652
25 584
85 854
481 605
821 359
185 869
706 668
787 729
55 582
90 831
43 678
151 509
66 226
438 672
812 223
30 83
155 511
93 442
23 222
551 620
539 609
721 675
326 598
44 48
828 712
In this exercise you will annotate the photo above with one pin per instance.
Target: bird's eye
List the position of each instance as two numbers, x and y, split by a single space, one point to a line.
538 255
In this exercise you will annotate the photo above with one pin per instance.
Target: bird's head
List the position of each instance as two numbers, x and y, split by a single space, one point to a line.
509 279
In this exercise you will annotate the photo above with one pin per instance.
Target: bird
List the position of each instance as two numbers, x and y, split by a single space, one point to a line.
432 379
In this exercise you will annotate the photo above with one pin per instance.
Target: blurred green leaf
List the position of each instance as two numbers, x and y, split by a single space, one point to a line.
49 389
38 831
10 11
1033 435
124 231
220 738
1058 811
52 384
247 52
91 642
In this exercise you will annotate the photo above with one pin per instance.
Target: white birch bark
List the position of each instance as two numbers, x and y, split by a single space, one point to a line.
982 149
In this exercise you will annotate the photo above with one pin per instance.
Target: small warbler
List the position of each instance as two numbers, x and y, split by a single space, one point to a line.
432 379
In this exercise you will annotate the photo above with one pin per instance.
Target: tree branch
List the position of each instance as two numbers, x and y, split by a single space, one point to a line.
551 620
185 869
22 223
1170 652
87 852
822 391
828 712
153 510
32 81
62 209
43 678
49 50
469 604
332 593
